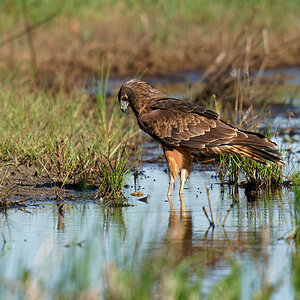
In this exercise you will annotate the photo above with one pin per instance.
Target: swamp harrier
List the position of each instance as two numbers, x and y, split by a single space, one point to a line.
182 127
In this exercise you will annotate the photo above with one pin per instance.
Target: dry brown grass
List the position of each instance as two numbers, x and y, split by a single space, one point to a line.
65 50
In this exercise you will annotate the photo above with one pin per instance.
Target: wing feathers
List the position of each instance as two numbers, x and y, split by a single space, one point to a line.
166 103
177 123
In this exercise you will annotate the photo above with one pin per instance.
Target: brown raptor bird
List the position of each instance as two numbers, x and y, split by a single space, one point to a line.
182 127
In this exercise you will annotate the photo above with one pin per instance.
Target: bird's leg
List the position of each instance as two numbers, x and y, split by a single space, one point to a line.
170 185
183 177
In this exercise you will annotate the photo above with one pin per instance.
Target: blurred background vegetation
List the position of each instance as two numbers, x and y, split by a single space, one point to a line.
58 42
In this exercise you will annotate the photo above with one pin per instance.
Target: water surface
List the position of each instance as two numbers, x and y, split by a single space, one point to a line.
39 238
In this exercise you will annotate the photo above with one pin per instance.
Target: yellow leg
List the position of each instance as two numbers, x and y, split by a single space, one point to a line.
170 191
183 177
170 185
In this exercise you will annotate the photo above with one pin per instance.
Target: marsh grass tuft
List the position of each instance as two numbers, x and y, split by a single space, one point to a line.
254 174
235 167
113 176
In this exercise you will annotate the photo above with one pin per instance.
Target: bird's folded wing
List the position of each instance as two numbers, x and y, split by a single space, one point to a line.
182 106
175 127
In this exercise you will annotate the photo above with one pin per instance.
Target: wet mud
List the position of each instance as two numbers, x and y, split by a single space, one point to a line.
25 182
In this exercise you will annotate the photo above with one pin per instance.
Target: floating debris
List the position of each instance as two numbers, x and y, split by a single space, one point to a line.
137 194
144 199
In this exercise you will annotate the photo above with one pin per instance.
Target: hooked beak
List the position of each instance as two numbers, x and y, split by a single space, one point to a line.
124 105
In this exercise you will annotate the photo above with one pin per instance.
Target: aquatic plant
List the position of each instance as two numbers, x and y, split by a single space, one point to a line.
295 262
113 176
230 287
295 236
297 205
253 173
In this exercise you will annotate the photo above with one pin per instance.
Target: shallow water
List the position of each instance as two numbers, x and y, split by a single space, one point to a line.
287 76
39 238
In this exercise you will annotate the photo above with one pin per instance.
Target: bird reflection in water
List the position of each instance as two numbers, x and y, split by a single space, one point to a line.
180 230
182 242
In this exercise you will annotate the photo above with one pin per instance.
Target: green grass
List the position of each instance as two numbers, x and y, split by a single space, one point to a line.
158 15
70 136
190 11
235 167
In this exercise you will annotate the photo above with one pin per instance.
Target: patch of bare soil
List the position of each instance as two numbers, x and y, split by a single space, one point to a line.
21 182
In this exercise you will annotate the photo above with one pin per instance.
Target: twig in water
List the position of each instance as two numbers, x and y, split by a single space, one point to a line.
4 239
228 211
210 222
60 201
212 218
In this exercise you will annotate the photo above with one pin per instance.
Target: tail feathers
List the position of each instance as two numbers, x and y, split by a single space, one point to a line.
250 144
259 153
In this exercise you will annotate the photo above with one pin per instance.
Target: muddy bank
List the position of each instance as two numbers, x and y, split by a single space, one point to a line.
27 182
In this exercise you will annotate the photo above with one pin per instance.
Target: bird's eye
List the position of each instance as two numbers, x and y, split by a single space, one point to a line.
124 97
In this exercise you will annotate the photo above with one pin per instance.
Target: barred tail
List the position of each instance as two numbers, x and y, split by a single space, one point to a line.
255 146
259 153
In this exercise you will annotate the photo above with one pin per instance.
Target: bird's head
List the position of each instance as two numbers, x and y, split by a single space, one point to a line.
127 95
137 94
